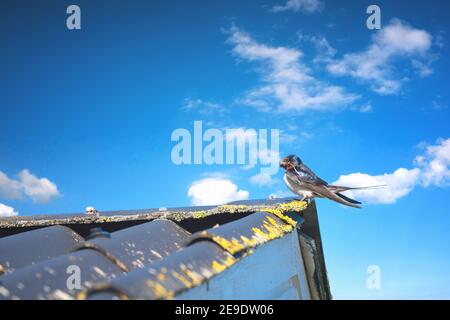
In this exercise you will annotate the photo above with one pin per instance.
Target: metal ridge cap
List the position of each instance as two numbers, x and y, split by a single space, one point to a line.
175 214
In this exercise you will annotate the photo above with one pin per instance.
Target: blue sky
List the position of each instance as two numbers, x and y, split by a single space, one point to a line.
87 117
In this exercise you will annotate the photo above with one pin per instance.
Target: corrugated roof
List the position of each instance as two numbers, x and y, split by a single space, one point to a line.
142 254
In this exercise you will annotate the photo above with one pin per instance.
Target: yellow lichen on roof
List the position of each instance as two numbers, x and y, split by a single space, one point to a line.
199 214
192 275
224 264
270 229
231 208
184 280
159 290
161 276
279 213
232 246
247 241
293 206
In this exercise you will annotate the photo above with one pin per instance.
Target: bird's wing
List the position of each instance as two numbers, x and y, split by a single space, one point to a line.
307 175
323 191
294 177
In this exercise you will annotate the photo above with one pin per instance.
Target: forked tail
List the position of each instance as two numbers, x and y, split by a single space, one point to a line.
342 188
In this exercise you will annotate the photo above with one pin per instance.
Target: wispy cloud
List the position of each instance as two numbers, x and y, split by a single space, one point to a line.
215 191
290 137
375 65
262 180
324 49
366 108
6 211
431 168
40 190
438 104
309 6
202 106
286 83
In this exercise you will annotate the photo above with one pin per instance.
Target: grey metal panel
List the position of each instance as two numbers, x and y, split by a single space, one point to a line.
172 259
162 280
310 227
143 244
104 296
238 236
273 271
30 247
48 279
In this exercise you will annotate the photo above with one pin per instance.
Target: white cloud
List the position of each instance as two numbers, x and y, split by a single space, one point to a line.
306 135
287 84
423 68
395 41
309 6
435 164
431 168
9 188
324 49
297 137
40 190
202 106
215 191
398 184
6 211
286 137
366 108
262 180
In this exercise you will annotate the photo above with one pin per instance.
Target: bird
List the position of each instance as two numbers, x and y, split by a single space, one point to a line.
301 180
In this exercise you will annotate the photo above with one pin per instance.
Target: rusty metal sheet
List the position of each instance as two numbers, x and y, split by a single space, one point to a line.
138 246
31 247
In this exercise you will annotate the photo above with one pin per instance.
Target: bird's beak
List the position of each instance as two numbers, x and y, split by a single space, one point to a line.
284 163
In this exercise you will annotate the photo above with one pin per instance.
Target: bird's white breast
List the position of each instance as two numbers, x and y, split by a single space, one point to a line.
297 188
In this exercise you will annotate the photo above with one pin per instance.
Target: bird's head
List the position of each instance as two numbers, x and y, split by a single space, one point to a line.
291 161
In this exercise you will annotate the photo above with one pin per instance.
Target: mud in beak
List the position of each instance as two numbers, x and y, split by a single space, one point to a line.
284 163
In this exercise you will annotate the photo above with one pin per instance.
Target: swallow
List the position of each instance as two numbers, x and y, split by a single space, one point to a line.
302 181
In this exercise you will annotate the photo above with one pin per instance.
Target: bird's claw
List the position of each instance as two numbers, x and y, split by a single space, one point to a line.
307 200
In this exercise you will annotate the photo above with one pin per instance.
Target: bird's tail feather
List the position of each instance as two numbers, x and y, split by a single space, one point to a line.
342 188
347 198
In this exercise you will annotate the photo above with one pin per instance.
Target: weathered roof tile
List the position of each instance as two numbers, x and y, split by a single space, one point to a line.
140 254
31 247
